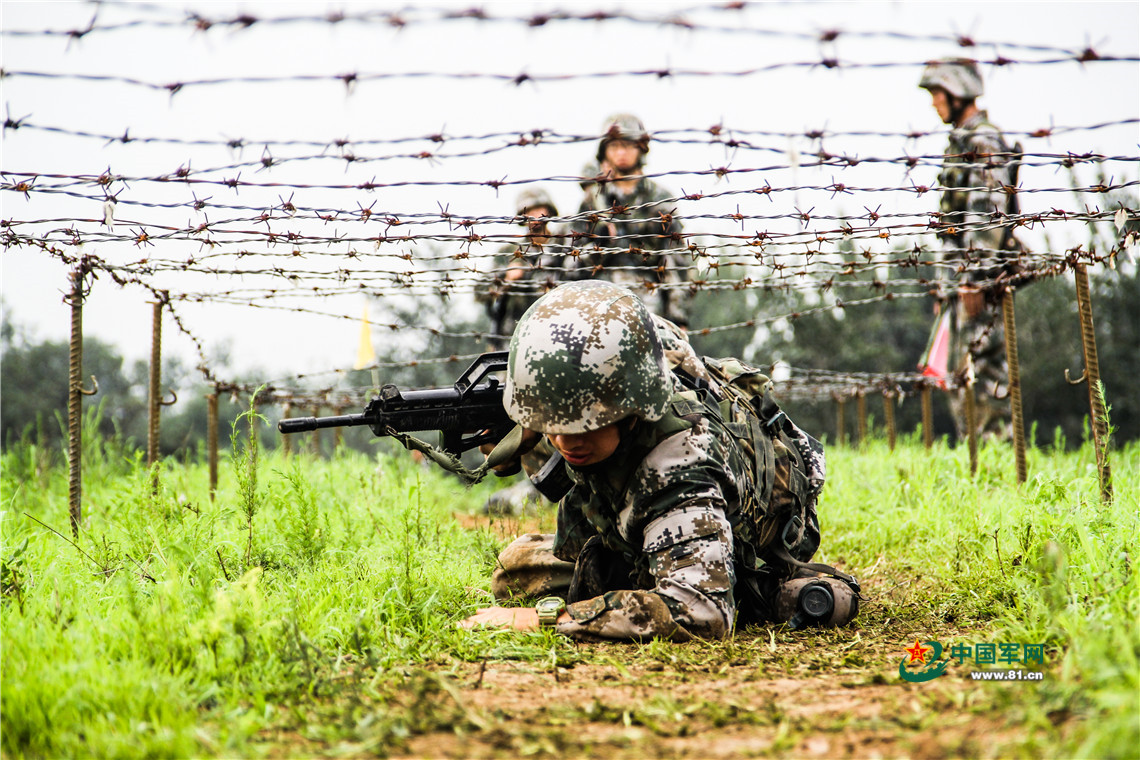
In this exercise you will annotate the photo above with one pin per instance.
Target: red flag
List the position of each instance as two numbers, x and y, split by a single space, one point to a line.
936 359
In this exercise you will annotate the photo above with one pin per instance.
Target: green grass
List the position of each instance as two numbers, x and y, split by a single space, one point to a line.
310 608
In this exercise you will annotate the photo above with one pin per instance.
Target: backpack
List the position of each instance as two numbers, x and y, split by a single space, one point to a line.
789 467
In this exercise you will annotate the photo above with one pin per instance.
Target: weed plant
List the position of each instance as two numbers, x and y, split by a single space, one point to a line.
310 608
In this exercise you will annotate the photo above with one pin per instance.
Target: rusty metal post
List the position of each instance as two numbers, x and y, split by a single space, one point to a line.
889 415
840 425
316 441
287 440
971 423
338 433
861 416
212 439
75 401
927 418
1092 378
1018 420
154 398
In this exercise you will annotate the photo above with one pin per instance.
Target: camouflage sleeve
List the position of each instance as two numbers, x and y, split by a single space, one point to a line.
690 559
573 530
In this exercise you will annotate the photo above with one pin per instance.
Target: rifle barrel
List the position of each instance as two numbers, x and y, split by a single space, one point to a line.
302 424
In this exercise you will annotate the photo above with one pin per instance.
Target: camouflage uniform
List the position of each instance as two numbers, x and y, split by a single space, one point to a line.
667 537
974 174
507 300
626 237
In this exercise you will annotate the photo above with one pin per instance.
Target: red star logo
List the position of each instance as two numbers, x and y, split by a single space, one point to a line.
917 653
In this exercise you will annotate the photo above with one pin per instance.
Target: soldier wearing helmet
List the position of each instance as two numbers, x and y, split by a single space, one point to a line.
657 534
977 169
525 270
626 230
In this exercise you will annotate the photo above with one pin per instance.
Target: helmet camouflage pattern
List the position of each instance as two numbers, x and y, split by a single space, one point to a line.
584 356
959 77
623 126
534 197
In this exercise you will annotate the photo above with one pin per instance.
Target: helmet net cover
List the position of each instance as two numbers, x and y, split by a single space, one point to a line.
623 126
584 356
535 198
958 76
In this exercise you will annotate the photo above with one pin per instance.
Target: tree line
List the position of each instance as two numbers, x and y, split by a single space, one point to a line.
886 337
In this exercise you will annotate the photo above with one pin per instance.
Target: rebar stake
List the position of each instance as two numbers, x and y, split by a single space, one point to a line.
75 401
154 397
971 425
889 414
212 439
1010 321
287 440
927 419
840 427
1092 377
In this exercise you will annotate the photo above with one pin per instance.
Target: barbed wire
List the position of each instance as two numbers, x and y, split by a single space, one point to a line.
351 80
716 134
681 19
266 248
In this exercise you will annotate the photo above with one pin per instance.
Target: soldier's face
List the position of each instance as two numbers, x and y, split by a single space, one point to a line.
941 102
623 155
585 449
534 215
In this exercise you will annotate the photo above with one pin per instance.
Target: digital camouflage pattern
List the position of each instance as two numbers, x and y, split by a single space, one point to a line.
522 271
623 126
974 173
535 197
627 237
584 356
959 77
678 530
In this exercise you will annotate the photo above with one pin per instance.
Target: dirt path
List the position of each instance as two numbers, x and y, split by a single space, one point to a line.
764 700
767 692
601 712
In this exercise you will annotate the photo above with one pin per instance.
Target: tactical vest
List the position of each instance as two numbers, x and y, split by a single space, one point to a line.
788 466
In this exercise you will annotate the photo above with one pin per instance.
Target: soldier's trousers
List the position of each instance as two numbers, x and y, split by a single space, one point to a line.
983 340
528 568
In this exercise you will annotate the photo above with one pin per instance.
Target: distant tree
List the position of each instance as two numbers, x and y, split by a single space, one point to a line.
34 384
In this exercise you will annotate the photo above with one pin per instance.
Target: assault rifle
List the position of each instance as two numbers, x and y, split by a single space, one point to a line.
467 415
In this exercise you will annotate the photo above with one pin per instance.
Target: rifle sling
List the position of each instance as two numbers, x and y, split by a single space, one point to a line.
504 451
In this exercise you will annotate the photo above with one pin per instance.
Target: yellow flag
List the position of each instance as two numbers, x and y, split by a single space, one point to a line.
365 354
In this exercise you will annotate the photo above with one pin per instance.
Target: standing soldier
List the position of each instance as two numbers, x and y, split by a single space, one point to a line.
625 226
689 506
976 172
524 270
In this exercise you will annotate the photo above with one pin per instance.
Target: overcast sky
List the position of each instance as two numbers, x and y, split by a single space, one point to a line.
775 97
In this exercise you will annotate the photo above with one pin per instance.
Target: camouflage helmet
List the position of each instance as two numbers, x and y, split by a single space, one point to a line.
534 197
623 126
959 77
584 356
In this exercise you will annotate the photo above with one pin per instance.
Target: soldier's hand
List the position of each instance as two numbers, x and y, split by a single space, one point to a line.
530 439
973 301
519 618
